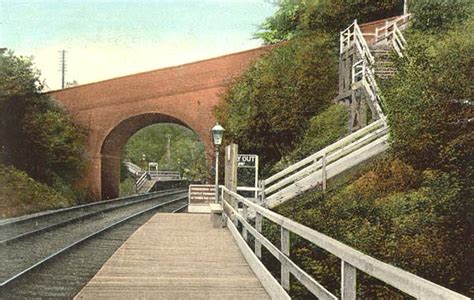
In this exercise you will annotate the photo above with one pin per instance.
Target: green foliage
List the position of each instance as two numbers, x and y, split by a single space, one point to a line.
324 129
439 15
21 194
268 109
18 77
415 220
127 187
295 18
335 15
187 153
283 24
36 135
426 104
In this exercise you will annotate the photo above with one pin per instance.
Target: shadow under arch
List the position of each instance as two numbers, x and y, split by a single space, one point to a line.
113 144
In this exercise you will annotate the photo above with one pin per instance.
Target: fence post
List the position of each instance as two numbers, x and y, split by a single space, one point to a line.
258 227
244 230
348 281
262 193
230 176
324 173
285 248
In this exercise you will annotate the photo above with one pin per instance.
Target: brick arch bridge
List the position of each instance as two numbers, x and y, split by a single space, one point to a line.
113 110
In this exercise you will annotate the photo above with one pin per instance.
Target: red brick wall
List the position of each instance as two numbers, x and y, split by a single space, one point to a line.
115 109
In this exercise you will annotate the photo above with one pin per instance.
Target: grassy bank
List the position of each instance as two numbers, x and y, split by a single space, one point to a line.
20 194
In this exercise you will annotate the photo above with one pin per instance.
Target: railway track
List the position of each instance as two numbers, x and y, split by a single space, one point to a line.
54 255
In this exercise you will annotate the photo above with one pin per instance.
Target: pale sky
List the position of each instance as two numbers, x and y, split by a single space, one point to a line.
106 39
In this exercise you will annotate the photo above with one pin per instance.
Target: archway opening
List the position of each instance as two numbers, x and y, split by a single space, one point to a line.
146 139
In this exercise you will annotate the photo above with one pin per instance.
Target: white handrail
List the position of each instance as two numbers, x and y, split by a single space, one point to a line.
404 281
330 158
141 181
340 143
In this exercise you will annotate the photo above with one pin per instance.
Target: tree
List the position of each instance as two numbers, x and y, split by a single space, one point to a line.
36 135
296 18
437 16
268 109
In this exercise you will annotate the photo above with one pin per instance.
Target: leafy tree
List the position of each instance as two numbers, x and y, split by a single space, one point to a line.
439 15
429 101
36 135
268 109
283 24
187 151
335 15
295 18
324 129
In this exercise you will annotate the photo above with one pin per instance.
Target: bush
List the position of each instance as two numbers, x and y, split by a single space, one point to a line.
36 135
324 129
299 18
415 220
427 111
20 194
268 109
439 15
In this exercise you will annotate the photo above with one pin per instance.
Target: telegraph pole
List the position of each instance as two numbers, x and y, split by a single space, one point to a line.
62 62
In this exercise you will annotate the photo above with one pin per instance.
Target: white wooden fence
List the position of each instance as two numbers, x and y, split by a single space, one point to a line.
164 175
352 260
315 169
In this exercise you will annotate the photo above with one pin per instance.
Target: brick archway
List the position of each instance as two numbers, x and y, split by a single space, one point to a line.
115 141
183 95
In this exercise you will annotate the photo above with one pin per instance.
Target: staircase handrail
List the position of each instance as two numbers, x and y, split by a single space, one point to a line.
141 181
352 260
133 168
398 40
175 175
353 35
328 158
361 73
327 150
383 32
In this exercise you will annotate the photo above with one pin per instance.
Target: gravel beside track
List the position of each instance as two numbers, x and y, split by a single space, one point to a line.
63 276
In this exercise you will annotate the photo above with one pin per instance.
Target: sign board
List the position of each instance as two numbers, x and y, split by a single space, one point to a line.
249 161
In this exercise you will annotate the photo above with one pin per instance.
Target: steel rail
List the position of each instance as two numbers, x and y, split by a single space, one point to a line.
84 216
15 221
46 259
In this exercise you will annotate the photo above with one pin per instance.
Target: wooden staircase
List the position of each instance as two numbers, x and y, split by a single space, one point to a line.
361 65
383 66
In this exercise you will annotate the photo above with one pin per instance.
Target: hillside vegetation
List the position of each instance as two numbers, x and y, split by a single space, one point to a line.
20 194
38 137
412 208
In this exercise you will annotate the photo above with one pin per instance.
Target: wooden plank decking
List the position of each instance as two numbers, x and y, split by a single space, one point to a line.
176 256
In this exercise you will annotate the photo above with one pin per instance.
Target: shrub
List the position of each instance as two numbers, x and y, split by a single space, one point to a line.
439 15
268 109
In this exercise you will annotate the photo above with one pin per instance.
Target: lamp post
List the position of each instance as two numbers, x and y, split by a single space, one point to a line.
217 132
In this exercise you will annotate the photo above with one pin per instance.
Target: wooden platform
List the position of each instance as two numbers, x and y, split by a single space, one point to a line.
176 256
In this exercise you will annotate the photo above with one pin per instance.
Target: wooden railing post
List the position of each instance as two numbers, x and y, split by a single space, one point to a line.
230 178
285 249
324 173
258 227
244 214
348 281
